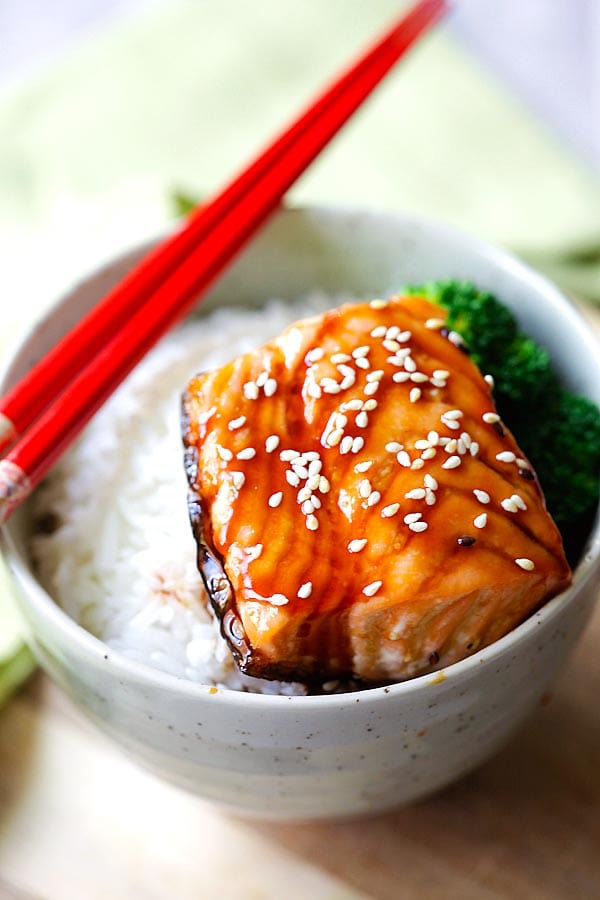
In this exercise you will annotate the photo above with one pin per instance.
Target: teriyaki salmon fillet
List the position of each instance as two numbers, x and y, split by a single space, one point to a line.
359 508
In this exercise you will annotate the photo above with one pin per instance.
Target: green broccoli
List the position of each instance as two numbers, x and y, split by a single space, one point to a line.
558 430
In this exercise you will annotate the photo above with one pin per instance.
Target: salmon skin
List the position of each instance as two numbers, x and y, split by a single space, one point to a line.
359 508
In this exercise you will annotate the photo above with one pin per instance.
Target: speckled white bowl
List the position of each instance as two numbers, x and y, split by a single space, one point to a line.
310 757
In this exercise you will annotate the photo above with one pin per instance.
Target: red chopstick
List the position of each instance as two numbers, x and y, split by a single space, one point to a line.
113 338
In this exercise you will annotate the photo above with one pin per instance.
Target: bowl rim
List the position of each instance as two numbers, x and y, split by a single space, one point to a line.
85 644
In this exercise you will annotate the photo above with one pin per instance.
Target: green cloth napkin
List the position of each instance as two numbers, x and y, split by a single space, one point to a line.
181 97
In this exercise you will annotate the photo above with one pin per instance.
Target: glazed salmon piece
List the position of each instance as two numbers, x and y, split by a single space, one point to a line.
359 508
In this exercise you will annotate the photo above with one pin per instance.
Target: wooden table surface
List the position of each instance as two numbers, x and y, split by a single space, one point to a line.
79 821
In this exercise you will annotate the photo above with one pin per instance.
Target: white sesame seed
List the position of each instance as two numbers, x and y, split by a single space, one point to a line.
451 446
378 304
397 361
404 336
393 447
340 420
453 462
390 346
474 448
332 389
414 395
206 415
270 387
441 373
247 453
516 498
522 462
371 388
347 382
346 444
430 453
304 493
417 464
357 444
315 466
375 375
234 424
370 404
315 501
506 456
300 471
438 382
314 482
399 377
373 498
338 358
238 479
444 440
364 488
311 522
250 390
277 600
403 458
434 323
392 332
480 521
346 370
388 511
455 338
460 446
292 478
363 466
490 380
372 588
364 350
310 455
363 363
509 505
415 494
451 423
490 418
262 378
409 364
418 526
482 496
313 390
524 563
288 455
429 497
275 499
323 486
272 443
410 518
454 414
419 377
315 354
357 545
224 453
430 482
334 437
354 404
379 331
308 507
305 590
362 420
466 439
421 444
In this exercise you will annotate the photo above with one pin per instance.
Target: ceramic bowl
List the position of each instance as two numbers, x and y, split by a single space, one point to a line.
338 755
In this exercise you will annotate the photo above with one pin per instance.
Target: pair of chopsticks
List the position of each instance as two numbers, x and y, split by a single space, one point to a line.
42 414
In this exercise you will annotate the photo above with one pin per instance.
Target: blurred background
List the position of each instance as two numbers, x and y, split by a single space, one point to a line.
110 110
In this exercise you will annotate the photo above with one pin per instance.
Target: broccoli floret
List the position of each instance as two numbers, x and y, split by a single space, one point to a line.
558 430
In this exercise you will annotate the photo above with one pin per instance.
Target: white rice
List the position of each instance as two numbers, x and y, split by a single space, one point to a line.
122 562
